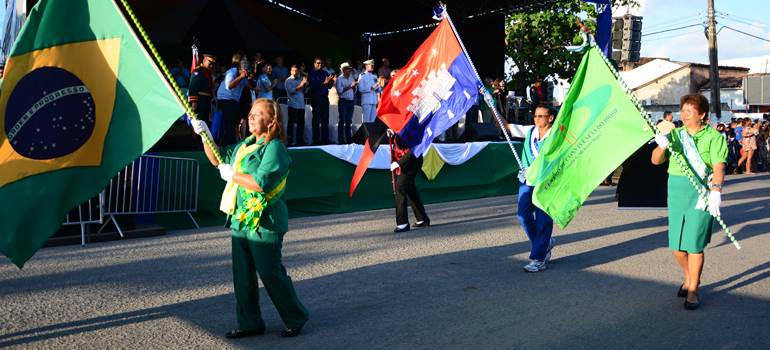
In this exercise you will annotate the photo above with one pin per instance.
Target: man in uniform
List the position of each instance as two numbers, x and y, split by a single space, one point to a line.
201 88
404 166
368 86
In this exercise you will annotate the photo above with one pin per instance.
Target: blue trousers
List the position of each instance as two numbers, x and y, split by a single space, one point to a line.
345 108
370 113
536 223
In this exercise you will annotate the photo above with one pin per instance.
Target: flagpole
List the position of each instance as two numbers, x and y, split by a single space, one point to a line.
487 95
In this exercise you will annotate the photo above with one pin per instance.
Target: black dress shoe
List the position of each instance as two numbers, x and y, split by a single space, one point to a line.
397 230
682 292
291 332
425 223
238 333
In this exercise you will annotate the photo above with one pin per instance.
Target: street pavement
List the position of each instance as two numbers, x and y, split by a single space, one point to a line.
456 285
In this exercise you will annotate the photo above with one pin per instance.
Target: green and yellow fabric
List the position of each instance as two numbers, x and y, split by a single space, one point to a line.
256 247
80 99
689 229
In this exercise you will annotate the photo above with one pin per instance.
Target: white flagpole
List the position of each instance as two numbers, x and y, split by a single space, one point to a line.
487 95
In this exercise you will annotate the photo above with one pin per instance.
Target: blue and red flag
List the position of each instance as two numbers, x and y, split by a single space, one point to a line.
427 96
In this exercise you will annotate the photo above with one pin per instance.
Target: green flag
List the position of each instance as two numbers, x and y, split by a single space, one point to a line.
80 99
597 128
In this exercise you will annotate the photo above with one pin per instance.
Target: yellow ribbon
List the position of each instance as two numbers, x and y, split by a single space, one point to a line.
230 194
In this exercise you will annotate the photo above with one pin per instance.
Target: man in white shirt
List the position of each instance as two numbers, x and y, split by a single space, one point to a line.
346 89
368 86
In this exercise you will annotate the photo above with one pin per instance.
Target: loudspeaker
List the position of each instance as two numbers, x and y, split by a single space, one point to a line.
481 132
362 133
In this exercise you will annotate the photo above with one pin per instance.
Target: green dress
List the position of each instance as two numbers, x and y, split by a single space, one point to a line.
690 229
258 254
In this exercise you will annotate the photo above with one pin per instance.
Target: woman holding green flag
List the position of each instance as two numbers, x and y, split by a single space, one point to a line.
256 170
689 217
537 225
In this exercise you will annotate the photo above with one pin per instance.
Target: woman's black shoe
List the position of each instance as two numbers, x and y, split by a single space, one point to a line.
692 306
291 332
682 292
425 223
237 333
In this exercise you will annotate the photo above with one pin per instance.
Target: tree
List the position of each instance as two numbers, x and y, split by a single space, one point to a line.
535 41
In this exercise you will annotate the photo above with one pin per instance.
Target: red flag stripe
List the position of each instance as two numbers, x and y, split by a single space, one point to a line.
363 164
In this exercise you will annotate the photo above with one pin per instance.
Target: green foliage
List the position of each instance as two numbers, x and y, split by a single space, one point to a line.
535 41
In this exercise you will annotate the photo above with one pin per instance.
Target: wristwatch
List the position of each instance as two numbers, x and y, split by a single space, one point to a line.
717 186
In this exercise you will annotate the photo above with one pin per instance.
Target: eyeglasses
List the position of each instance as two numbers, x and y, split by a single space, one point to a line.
542 115
317 63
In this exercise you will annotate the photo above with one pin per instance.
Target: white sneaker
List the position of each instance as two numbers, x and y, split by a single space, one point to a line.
551 243
535 266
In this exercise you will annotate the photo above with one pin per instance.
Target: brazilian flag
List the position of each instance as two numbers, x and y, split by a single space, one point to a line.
80 99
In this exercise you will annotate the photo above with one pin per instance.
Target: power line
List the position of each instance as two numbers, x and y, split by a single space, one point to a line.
670 22
673 29
736 17
646 40
701 19
753 25
744 33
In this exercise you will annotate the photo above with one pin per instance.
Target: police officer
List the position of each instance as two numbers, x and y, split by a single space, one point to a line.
201 88
369 86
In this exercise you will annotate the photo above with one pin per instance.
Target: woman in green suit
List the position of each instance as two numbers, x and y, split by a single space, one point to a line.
690 218
256 170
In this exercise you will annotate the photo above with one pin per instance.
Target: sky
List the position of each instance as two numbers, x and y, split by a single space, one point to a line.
690 44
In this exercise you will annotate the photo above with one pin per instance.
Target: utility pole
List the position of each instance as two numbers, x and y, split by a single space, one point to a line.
714 61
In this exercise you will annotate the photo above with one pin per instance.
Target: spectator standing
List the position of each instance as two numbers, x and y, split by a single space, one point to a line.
228 96
346 89
385 70
295 89
668 116
265 83
369 86
486 110
749 143
320 83
329 67
537 95
180 74
280 73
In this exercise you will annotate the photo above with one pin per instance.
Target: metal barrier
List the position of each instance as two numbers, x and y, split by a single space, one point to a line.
88 212
153 185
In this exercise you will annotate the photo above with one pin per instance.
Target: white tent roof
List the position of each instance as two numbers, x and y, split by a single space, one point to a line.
648 72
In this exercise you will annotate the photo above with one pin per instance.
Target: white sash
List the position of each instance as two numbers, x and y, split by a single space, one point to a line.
696 162
534 147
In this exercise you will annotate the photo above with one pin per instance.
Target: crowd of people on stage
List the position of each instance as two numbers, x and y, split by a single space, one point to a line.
232 86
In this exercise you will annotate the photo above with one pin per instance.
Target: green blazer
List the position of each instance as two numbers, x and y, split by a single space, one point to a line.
268 165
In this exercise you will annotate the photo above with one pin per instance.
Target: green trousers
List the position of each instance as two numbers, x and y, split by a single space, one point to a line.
260 256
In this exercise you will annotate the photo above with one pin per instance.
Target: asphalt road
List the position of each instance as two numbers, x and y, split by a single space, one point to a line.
455 285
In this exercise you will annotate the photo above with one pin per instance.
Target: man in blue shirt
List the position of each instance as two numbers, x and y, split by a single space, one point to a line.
265 84
320 83
280 73
228 96
295 89
346 89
